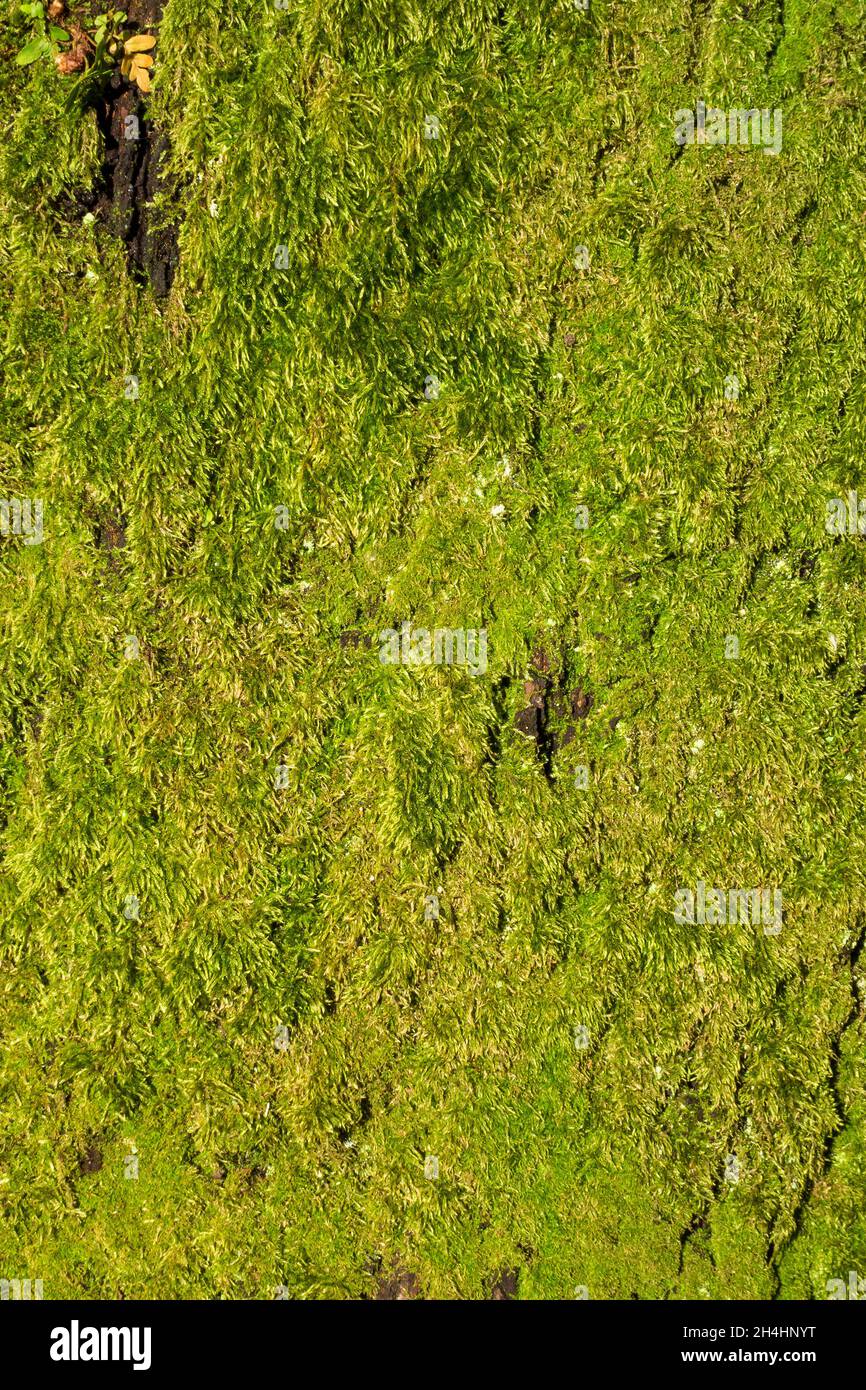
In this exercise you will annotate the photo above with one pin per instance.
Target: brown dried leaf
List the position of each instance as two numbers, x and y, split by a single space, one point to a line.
68 63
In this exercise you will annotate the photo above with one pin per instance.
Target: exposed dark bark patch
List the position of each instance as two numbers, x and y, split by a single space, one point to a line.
533 720
91 1160
398 1285
134 153
107 525
494 741
111 531
144 13
552 711
854 1014
351 637
504 1286
363 1117
581 702
130 181
697 1223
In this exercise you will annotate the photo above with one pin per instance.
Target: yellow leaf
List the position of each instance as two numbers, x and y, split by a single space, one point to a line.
139 43
126 67
142 77
142 60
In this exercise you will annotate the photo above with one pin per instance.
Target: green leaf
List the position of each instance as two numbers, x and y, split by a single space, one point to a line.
36 48
57 35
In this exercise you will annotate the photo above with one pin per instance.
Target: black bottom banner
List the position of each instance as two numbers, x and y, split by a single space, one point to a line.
82 1340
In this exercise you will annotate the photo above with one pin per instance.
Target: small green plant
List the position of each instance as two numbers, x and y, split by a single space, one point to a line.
98 47
108 36
47 38
133 53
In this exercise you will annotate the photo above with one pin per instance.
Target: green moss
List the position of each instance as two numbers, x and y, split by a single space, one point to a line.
599 1167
